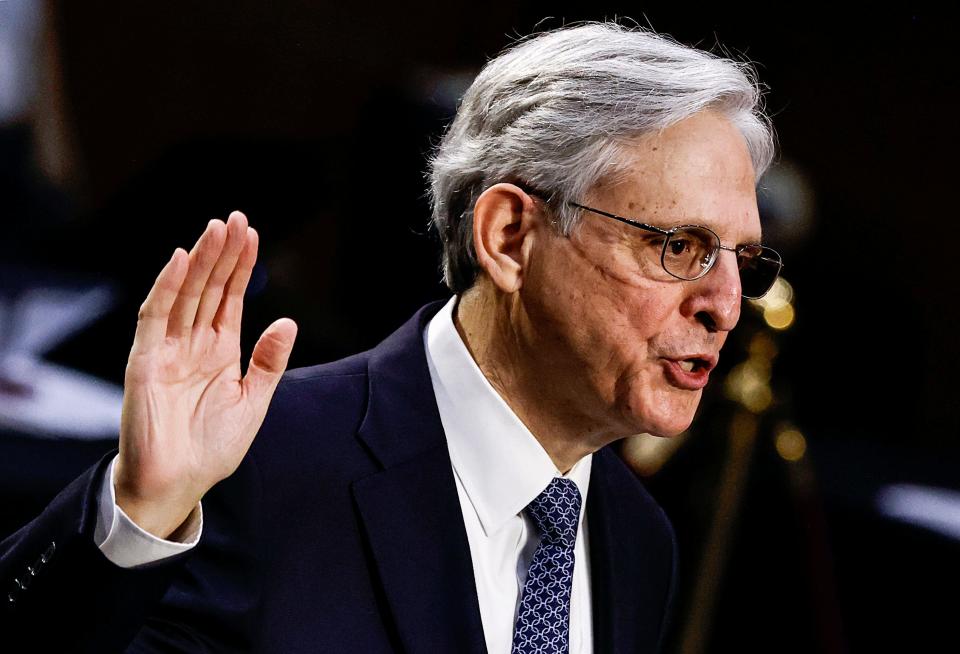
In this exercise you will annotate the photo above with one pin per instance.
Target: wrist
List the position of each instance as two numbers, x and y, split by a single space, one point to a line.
158 518
159 514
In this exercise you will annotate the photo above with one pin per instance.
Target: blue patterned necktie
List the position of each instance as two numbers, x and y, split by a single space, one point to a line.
543 620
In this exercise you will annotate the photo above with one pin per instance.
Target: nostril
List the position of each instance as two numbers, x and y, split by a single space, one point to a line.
707 320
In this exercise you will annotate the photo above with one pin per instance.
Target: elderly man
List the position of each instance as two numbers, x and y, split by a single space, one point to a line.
451 490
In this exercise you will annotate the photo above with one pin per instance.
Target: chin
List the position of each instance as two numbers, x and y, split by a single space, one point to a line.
670 431
666 419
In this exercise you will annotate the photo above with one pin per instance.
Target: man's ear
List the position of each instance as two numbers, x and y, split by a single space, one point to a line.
504 226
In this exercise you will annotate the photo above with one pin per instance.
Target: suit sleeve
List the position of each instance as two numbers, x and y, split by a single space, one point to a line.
60 593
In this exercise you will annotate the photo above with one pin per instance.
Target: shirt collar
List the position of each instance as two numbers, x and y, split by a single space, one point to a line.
500 464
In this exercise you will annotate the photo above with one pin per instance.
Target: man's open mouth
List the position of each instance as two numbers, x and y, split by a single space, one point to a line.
695 364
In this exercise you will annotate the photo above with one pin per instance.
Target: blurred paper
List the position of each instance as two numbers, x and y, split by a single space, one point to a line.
41 398
937 509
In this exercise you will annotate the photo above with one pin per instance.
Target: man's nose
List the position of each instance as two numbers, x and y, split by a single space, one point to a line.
715 298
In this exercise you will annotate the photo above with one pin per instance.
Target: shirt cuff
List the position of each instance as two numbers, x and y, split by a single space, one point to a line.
124 543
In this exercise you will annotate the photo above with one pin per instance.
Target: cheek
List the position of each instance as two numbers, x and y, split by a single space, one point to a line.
610 318
639 315
613 328
643 332
625 301
606 321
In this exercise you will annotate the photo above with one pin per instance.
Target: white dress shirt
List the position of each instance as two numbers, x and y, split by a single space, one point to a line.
499 468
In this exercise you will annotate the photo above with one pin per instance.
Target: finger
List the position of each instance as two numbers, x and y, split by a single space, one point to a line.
231 306
269 360
203 257
155 310
213 291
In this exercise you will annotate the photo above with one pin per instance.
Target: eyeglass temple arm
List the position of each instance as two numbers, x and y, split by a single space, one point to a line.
649 228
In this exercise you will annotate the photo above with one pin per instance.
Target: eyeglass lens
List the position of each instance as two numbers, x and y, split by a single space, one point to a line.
689 252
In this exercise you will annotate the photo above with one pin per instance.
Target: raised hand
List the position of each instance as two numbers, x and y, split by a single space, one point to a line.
189 415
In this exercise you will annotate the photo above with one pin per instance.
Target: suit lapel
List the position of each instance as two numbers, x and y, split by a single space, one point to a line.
631 559
412 519
410 510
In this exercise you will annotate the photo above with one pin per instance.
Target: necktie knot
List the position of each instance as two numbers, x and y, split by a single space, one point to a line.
556 512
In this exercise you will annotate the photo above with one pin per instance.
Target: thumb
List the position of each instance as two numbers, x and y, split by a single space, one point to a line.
269 358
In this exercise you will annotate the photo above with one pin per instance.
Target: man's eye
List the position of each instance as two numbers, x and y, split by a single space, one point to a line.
678 246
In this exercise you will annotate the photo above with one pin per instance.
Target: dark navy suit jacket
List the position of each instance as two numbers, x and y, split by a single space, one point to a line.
341 531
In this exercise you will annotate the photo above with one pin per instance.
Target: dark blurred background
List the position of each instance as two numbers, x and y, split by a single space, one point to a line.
816 499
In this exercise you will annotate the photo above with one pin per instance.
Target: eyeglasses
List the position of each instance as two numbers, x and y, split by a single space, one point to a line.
689 252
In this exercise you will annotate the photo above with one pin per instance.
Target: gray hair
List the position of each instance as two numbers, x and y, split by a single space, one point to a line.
557 111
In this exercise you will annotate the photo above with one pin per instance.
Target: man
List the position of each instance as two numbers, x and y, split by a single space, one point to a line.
450 490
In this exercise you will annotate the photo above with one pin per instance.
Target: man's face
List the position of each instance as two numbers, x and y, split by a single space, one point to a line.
620 332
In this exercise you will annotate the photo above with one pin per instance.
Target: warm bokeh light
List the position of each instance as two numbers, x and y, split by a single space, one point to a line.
749 384
790 444
781 293
780 317
647 453
762 346
777 305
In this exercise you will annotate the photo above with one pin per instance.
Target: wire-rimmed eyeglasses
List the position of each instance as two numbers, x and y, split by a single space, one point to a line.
689 252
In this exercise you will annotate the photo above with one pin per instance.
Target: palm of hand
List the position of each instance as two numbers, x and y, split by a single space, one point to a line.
189 416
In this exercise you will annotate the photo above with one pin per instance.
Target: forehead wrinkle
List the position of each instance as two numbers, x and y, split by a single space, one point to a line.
716 188
663 214
698 172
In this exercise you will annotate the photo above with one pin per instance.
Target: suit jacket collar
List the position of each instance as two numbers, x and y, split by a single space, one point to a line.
410 510
412 518
632 559
402 420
